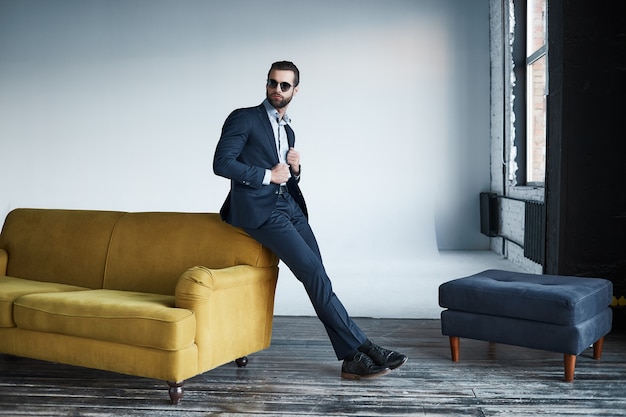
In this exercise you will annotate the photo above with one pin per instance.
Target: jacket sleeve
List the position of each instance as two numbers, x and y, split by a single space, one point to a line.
228 160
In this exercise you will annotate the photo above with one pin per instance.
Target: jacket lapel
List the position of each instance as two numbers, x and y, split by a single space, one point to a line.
265 121
291 137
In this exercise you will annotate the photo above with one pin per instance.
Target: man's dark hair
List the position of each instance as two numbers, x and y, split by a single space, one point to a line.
286 66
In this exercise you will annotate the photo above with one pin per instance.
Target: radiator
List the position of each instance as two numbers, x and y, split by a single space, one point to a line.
489 214
535 231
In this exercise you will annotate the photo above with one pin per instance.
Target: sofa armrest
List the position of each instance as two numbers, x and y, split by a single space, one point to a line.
234 309
4 261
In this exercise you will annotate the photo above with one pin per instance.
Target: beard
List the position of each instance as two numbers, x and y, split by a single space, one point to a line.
278 103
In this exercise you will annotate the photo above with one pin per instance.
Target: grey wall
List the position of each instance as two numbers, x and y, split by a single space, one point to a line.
110 104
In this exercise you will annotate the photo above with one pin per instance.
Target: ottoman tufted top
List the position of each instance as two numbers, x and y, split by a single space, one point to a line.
564 300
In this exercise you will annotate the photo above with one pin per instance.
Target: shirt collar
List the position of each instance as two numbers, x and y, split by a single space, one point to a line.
273 113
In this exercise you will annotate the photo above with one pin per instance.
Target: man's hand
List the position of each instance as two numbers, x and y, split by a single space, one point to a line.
280 173
293 159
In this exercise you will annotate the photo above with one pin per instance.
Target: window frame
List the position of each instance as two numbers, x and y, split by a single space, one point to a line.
522 60
533 56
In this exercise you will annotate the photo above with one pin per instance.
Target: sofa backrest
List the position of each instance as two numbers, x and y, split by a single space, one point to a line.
150 251
64 246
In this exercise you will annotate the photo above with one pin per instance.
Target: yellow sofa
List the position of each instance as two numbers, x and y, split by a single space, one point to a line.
158 295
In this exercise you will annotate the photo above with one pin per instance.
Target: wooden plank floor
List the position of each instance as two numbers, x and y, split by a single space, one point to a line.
299 376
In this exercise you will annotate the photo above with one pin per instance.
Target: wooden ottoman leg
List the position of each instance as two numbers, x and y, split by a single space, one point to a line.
454 348
570 364
597 348
570 360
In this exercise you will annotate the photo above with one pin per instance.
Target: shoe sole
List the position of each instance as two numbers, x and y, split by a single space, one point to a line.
346 375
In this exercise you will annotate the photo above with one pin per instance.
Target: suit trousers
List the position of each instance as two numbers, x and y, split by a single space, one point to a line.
287 233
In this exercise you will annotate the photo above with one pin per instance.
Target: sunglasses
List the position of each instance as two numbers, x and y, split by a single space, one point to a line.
284 86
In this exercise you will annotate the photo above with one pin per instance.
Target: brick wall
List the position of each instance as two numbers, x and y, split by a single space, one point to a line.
512 197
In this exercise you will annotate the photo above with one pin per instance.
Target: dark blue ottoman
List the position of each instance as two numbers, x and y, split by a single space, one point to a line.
549 312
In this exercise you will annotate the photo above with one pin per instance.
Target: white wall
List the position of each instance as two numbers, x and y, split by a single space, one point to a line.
111 104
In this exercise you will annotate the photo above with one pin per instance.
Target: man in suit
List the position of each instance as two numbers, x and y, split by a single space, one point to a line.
256 153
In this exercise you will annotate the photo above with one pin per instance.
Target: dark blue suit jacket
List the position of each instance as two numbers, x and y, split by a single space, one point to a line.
245 150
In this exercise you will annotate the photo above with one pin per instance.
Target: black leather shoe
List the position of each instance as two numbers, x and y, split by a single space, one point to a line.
382 356
362 367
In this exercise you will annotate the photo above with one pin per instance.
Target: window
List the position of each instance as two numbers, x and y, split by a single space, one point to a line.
536 90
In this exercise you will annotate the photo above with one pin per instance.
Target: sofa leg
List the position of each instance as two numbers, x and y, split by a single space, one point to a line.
454 347
176 391
241 362
597 348
570 364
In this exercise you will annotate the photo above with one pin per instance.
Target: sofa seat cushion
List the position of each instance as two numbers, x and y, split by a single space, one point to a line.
13 288
132 318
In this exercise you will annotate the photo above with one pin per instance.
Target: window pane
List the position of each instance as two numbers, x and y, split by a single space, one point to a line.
536 26
536 144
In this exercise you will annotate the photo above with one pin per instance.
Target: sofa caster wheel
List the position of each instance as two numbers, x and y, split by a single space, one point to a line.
241 362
